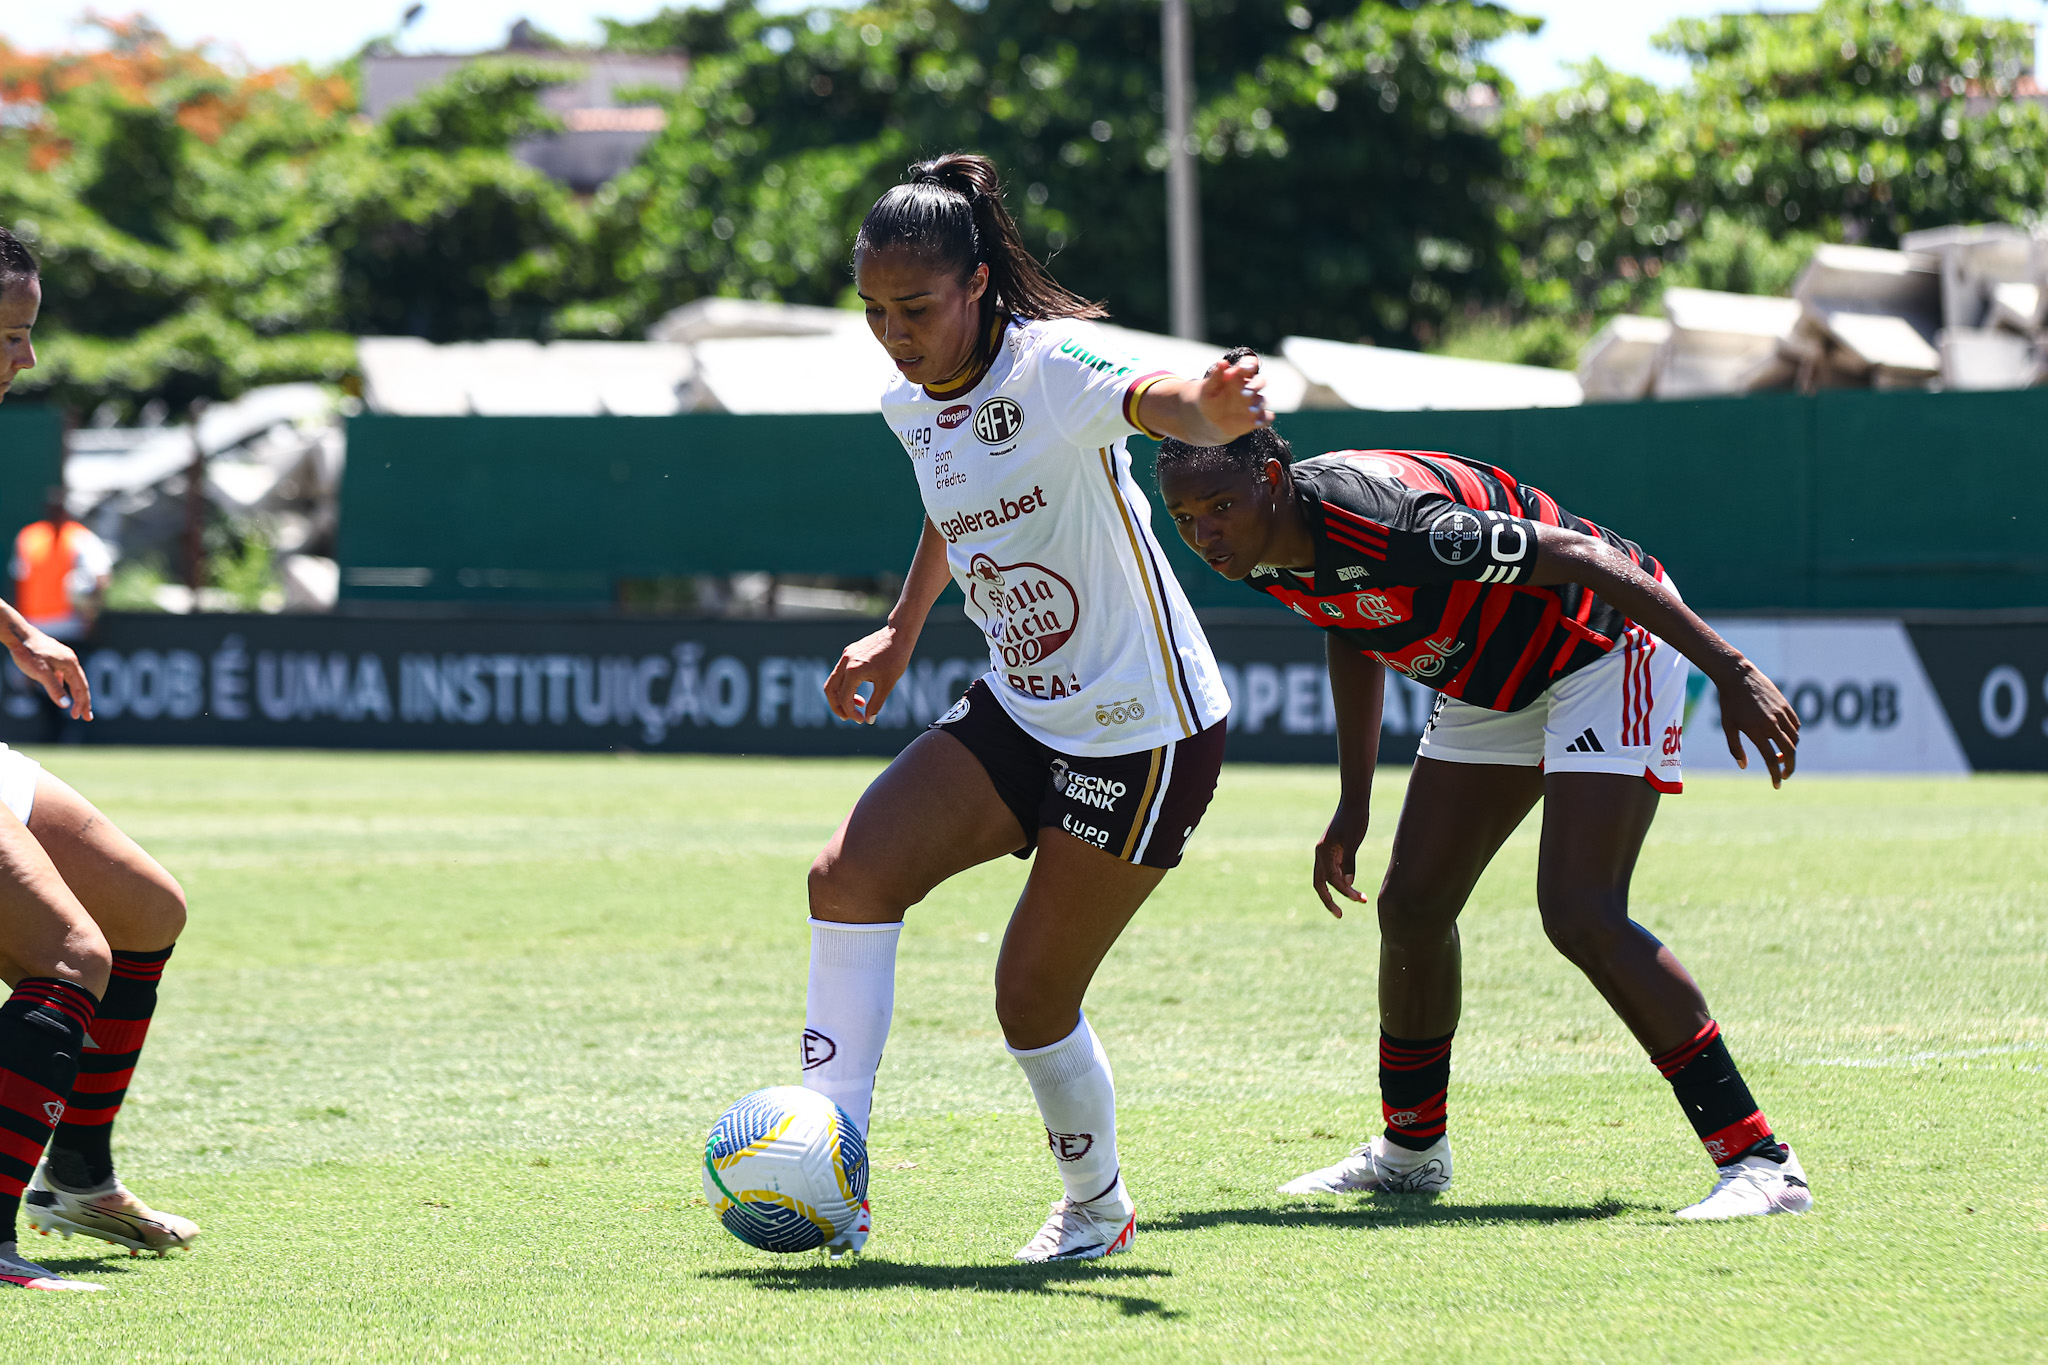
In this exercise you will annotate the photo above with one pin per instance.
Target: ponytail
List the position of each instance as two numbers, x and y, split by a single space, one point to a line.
951 212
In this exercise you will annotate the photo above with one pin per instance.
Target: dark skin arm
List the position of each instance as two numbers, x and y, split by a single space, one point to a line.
1359 685
1750 704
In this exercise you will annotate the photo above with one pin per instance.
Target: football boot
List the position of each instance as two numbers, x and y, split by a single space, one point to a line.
854 1239
111 1213
1753 1186
1078 1231
1381 1167
18 1270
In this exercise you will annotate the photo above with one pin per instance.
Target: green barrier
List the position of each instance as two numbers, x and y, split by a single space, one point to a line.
31 460
1849 500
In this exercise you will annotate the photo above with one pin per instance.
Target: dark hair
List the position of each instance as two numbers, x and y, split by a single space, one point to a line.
15 262
951 212
1247 454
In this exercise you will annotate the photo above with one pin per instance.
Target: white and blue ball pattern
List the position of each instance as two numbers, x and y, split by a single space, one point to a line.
785 1169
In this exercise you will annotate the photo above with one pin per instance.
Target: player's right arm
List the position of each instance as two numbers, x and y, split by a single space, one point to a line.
882 657
1358 684
49 661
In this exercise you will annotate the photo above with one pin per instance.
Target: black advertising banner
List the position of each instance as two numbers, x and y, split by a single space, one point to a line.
1993 682
598 684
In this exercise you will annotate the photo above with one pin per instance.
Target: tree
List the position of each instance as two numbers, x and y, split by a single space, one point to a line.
1851 123
202 232
1343 191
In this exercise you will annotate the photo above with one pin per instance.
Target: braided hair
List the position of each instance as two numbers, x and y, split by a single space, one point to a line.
950 212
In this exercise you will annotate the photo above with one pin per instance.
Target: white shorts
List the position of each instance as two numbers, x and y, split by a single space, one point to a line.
18 773
1624 714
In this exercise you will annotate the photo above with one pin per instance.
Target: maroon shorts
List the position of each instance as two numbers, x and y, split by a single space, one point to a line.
1141 807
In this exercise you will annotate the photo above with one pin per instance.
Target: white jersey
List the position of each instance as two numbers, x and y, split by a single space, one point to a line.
1092 645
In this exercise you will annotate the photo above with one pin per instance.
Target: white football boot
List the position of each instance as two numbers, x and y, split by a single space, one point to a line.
1084 1232
1752 1187
852 1241
111 1213
1381 1167
16 1269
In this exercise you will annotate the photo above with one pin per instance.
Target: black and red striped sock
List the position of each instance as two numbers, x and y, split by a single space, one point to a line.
1712 1093
42 1031
1415 1085
81 1150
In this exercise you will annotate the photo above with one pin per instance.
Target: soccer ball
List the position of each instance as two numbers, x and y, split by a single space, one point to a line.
785 1169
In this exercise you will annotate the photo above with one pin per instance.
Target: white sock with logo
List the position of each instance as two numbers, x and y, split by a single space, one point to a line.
1077 1098
847 1010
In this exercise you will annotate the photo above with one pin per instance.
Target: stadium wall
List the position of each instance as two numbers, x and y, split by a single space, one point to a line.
1874 695
31 462
1842 501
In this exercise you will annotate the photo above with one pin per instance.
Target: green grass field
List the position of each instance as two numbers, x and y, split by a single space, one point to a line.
438 1052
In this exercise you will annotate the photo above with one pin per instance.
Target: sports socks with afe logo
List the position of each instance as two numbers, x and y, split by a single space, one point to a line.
81 1156
42 1032
1076 1096
847 1008
1712 1093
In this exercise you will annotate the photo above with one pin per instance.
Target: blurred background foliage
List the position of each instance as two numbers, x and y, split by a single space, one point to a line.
1366 174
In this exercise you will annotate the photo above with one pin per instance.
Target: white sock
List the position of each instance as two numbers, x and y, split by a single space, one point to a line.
1077 1098
846 1011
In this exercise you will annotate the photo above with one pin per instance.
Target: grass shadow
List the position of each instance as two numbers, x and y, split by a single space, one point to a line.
1387 1211
1064 1279
82 1256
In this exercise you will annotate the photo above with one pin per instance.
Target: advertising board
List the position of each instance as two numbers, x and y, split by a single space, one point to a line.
1873 695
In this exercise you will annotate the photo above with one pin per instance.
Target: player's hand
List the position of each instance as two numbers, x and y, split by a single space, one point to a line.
52 663
1337 855
879 659
1233 397
1752 705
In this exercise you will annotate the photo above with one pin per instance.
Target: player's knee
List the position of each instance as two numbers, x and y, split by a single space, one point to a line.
80 954
1415 914
1032 1012
1584 927
838 891
163 909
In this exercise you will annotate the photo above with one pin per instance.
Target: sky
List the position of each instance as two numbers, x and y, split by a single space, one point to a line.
267 32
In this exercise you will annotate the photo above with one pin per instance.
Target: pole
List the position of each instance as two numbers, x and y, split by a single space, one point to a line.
195 508
1183 209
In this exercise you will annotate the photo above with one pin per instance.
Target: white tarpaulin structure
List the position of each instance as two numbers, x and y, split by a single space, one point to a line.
415 378
1388 380
714 355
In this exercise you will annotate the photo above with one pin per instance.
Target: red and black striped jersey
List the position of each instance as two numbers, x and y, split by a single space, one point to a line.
1420 562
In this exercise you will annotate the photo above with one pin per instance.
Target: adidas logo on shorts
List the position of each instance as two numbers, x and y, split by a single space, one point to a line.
1588 743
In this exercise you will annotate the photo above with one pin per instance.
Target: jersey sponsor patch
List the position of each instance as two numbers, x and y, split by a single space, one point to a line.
1003 513
1027 610
952 417
1454 537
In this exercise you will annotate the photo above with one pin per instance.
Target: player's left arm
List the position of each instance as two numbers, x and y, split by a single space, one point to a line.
48 660
1750 703
1224 404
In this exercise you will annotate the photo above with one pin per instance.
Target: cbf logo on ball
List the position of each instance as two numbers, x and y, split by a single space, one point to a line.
998 421
1454 537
